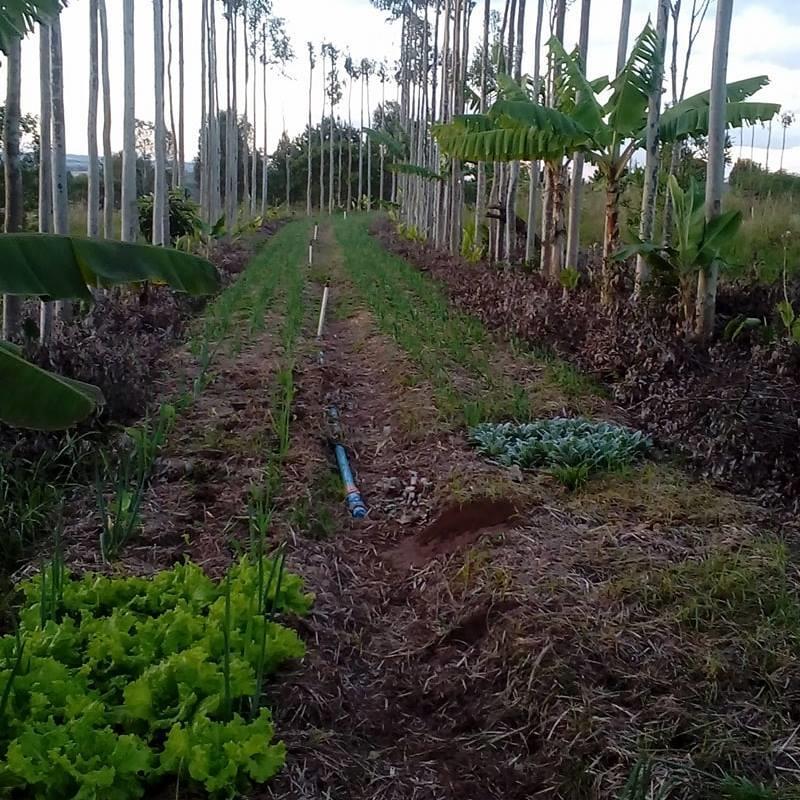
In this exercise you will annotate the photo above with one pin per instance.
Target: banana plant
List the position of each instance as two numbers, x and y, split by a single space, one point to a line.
604 119
68 268
696 244
17 18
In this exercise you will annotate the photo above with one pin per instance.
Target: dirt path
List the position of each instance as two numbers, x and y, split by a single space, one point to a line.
482 636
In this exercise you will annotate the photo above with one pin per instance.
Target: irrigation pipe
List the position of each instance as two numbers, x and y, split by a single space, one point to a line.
355 503
322 311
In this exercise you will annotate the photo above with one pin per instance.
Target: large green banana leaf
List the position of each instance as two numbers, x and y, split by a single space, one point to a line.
62 267
34 398
693 121
17 17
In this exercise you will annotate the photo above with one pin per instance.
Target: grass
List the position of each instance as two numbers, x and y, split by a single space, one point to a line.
453 351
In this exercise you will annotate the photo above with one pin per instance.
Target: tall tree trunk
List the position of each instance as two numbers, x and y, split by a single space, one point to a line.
160 206
181 143
93 185
769 144
204 115
310 123
576 188
322 138
14 212
247 193
214 134
350 141
108 156
361 144
480 187
650 188
45 165
63 308
130 212
515 56
715 174
369 151
254 158
171 97
265 158
624 33
533 191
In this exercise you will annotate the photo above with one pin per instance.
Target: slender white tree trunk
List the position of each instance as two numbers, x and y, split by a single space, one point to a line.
265 165
310 123
45 165
254 158
650 188
576 188
14 209
369 150
60 206
173 129
93 188
130 212
181 143
108 156
160 209
715 174
624 33
480 189
322 136
533 191
361 144
204 116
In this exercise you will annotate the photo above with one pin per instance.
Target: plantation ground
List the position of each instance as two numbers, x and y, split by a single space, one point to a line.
484 633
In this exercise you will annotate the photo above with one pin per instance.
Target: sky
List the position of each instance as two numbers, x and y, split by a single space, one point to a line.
763 41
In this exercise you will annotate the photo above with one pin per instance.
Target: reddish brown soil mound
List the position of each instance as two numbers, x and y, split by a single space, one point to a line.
456 527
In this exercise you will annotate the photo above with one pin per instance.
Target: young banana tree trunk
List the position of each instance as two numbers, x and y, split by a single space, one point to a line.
576 188
610 240
93 184
63 308
108 156
130 214
715 173
14 210
45 166
160 209
650 189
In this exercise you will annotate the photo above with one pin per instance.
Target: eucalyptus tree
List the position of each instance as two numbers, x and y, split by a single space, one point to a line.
93 185
353 74
160 206
323 51
181 143
63 308
45 164
108 157
231 114
650 187
576 189
362 73
173 129
311 64
697 17
787 120
480 186
383 74
130 213
14 208
367 69
533 186
334 95
715 174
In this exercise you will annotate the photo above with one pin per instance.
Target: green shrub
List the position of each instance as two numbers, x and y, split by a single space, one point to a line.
184 215
572 449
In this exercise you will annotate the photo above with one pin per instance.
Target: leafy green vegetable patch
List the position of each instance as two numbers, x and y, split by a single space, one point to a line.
112 685
572 449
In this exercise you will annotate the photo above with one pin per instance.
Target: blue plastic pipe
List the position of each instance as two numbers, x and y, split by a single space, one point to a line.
352 496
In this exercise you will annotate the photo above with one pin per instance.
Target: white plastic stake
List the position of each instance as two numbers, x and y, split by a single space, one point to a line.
316 232
310 255
345 215
322 311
